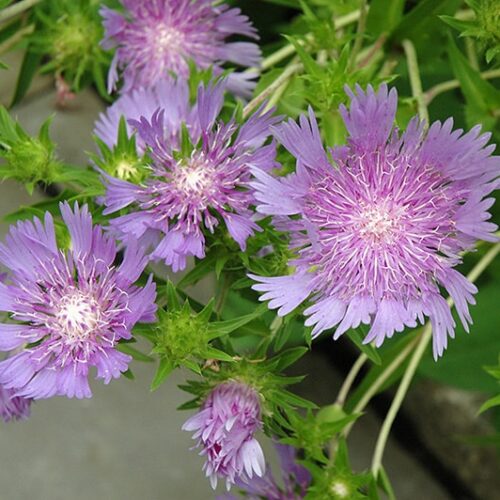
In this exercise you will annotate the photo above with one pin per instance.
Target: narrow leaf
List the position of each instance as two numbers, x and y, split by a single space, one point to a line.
165 368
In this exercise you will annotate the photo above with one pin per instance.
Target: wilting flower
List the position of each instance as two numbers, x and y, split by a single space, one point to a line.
13 407
68 309
199 176
225 428
296 480
380 230
155 37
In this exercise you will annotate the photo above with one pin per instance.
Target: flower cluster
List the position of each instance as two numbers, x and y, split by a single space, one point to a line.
225 428
155 37
378 228
201 171
67 309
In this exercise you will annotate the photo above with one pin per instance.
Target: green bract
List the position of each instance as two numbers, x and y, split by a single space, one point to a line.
29 160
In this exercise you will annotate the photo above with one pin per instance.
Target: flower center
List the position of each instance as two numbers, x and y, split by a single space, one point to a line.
125 170
77 316
194 178
166 38
378 223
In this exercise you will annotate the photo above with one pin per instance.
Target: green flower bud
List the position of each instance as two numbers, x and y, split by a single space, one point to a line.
29 160
69 32
181 335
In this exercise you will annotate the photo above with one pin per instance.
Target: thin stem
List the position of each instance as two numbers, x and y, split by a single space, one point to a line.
433 92
17 8
349 380
415 82
470 50
358 42
222 296
380 381
289 49
18 36
283 78
413 365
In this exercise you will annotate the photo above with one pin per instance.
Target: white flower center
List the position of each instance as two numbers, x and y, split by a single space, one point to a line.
193 179
77 316
165 38
378 223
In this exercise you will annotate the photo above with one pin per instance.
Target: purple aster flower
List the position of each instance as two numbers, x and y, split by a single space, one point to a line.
13 407
380 230
67 309
171 95
155 37
225 428
187 191
296 480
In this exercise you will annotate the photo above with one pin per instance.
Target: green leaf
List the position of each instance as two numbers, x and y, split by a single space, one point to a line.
477 91
29 67
219 328
126 348
462 362
311 66
458 24
288 398
383 16
288 357
173 303
128 374
368 349
192 365
212 353
385 484
413 24
165 368
201 269
489 404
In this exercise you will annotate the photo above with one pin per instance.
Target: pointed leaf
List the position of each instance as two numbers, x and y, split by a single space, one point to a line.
165 368
126 348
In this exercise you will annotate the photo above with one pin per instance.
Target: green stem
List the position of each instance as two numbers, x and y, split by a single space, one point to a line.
349 380
380 381
360 33
14 39
269 91
415 82
433 92
222 295
289 49
413 365
16 9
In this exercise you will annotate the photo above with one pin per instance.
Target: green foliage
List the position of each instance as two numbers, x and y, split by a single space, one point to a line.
29 160
482 98
122 161
69 32
484 26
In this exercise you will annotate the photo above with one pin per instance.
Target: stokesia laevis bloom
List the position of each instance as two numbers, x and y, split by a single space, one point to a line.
13 407
225 428
170 94
155 37
296 479
377 232
196 185
67 309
